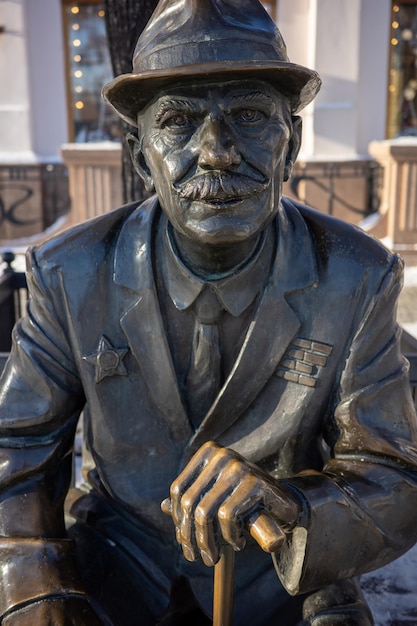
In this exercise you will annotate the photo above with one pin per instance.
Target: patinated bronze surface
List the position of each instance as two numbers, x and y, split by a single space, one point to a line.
235 356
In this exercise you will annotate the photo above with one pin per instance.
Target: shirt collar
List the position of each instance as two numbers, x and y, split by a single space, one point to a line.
235 291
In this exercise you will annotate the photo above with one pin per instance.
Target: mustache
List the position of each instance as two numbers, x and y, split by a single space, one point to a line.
220 186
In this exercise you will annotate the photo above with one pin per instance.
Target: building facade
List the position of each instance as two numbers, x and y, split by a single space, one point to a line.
54 60
347 41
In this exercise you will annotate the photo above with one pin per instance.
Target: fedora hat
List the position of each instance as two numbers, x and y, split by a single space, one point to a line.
188 40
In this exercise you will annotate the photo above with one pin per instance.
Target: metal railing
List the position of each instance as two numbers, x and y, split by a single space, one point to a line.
22 185
13 297
326 177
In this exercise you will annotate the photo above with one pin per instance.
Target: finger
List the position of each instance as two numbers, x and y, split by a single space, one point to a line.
185 534
245 508
206 538
282 506
206 486
187 477
236 509
166 506
207 531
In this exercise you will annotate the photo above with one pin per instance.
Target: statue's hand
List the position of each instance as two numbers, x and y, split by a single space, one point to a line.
54 612
219 496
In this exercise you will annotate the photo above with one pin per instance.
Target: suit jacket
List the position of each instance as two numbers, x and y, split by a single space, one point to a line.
318 396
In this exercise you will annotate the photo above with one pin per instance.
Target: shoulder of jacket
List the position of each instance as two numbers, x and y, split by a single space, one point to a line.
90 241
338 239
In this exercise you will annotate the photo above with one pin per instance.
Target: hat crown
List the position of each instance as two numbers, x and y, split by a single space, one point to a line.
189 40
188 32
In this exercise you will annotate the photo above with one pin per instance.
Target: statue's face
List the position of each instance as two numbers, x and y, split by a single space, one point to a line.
216 155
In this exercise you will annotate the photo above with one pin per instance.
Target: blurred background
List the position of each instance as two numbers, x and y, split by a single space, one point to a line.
61 146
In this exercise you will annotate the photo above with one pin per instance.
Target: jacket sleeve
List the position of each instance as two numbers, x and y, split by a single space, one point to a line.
359 512
40 401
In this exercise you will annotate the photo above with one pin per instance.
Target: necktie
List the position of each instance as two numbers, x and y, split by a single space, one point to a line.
204 374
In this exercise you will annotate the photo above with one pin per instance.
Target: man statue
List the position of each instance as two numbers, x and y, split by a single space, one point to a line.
218 338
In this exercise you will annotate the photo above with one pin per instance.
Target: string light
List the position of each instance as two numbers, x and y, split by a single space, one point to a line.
407 34
79 36
409 93
402 89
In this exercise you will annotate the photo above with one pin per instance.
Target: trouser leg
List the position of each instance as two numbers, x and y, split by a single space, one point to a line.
258 594
113 583
132 572
341 603
137 592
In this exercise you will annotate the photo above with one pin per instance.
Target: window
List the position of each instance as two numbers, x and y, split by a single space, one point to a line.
88 69
402 94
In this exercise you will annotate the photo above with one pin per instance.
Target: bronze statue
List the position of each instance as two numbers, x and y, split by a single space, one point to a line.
218 338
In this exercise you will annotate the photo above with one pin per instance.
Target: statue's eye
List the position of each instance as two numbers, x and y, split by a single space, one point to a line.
180 121
249 116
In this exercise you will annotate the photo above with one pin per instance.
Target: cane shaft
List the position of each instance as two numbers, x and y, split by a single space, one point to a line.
223 587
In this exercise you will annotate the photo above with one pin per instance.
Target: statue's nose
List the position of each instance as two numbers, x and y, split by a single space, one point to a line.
217 148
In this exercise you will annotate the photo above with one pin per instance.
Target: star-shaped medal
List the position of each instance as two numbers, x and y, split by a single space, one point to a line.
107 360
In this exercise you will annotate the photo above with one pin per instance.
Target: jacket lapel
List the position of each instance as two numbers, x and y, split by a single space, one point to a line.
274 326
142 321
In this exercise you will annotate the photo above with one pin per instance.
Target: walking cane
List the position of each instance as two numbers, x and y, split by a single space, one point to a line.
224 572
264 531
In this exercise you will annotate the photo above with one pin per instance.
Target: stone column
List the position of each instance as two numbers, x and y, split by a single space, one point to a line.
398 223
94 171
347 42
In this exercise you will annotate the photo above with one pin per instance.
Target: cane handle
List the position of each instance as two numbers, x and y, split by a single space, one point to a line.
266 532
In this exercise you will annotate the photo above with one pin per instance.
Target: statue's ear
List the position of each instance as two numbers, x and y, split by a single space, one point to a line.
138 160
294 145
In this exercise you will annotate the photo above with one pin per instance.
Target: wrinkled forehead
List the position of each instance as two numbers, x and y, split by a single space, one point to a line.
200 94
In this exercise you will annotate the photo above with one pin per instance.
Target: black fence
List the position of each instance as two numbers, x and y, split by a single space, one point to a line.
13 297
21 184
332 187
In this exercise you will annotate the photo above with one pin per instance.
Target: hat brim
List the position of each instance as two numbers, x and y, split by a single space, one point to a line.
127 94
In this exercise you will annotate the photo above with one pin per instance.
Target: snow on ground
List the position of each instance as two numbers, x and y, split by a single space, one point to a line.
392 591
